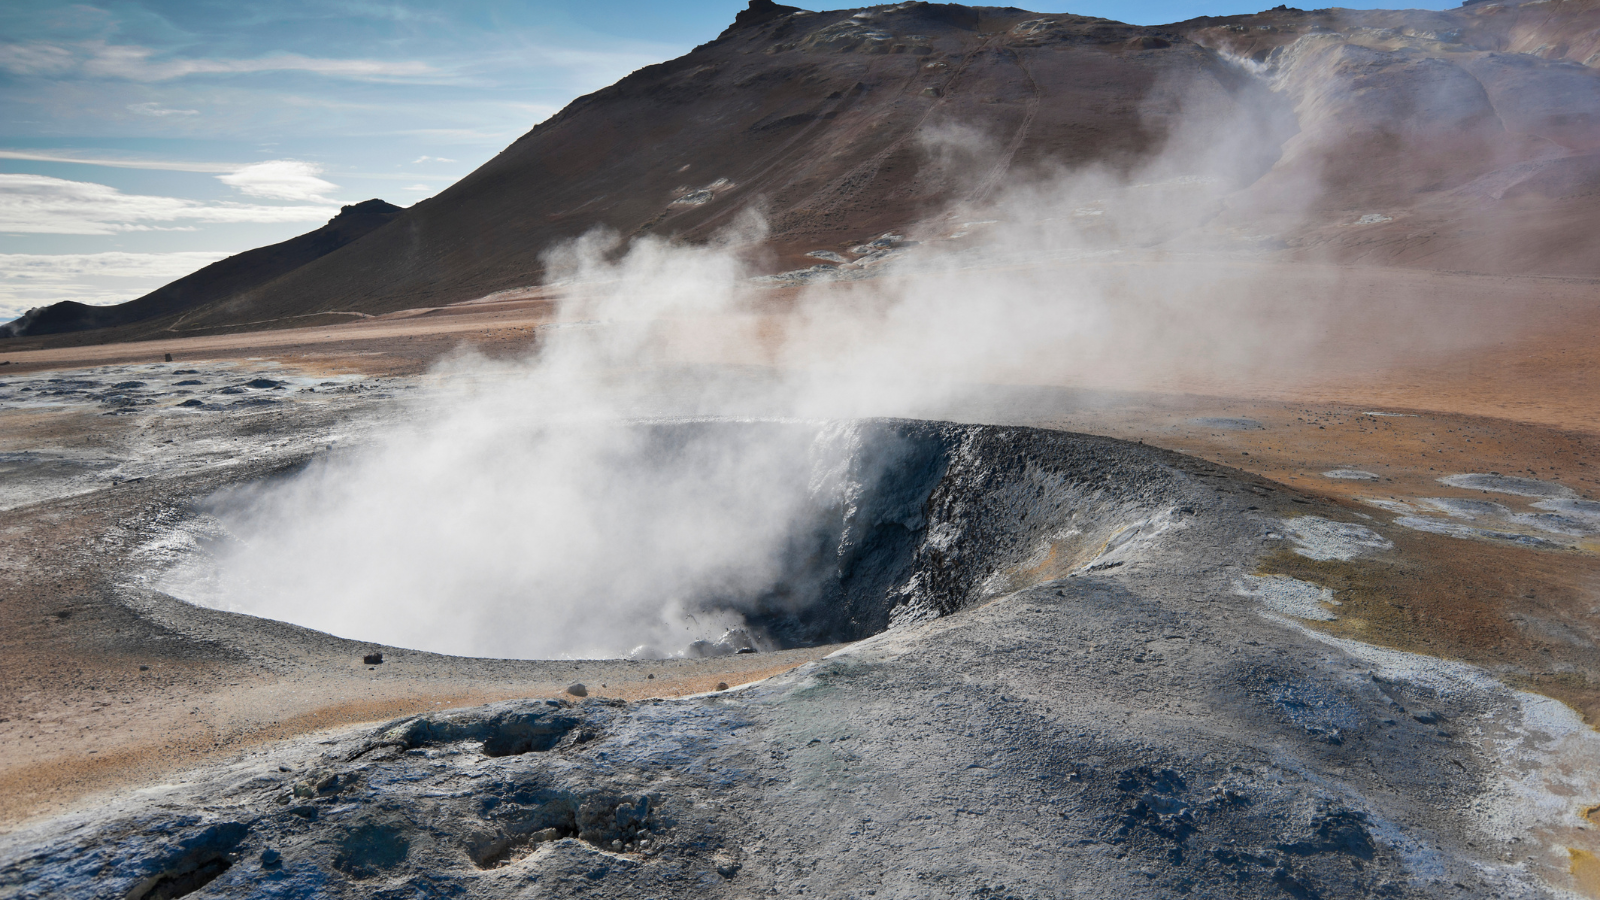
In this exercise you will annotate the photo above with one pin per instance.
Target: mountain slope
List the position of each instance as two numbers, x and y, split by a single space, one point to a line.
1467 139
1474 157
814 118
218 281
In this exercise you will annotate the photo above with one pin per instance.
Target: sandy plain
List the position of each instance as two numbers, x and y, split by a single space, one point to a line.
89 700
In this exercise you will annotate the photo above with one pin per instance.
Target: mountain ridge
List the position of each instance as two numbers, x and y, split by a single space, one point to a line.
1462 140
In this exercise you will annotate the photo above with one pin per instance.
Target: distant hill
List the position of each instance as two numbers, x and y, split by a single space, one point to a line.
215 283
1467 139
814 118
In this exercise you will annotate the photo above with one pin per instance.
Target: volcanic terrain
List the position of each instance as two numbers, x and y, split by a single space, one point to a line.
1086 460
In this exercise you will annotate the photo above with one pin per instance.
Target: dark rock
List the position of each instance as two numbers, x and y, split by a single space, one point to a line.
505 730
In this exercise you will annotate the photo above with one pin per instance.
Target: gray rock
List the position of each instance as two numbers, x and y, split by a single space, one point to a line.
998 729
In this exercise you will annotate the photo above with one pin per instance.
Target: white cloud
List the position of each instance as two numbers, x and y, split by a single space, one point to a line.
98 59
423 159
158 164
40 279
59 267
156 109
37 59
281 179
38 204
417 187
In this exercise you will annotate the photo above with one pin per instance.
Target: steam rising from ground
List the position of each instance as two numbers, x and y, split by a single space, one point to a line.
518 515
499 532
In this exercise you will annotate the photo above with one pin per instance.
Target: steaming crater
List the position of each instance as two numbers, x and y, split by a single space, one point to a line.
671 538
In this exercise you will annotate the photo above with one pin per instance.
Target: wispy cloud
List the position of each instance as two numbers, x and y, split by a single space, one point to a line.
418 187
156 109
66 267
98 59
38 204
157 164
423 159
281 179
40 279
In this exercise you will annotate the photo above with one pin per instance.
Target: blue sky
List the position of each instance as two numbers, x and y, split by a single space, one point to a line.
143 139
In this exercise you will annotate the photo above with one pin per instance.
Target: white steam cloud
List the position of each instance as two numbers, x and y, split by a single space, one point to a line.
522 515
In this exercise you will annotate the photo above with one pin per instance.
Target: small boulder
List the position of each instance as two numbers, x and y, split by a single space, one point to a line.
577 689
372 659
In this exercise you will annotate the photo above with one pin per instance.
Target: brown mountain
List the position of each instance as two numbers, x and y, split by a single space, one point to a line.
1467 140
164 308
811 117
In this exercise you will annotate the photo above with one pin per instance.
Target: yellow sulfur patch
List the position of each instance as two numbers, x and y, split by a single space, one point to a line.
1585 871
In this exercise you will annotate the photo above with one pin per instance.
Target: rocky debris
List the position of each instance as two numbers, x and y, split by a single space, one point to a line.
1350 475
370 808
1586 512
501 730
887 241
733 641
1565 518
1015 723
811 275
702 196
1289 596
869 258
695 198
1324 539
964 747
1459 530
1508 484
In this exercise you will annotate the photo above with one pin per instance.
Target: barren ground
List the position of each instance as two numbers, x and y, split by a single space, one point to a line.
91 702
